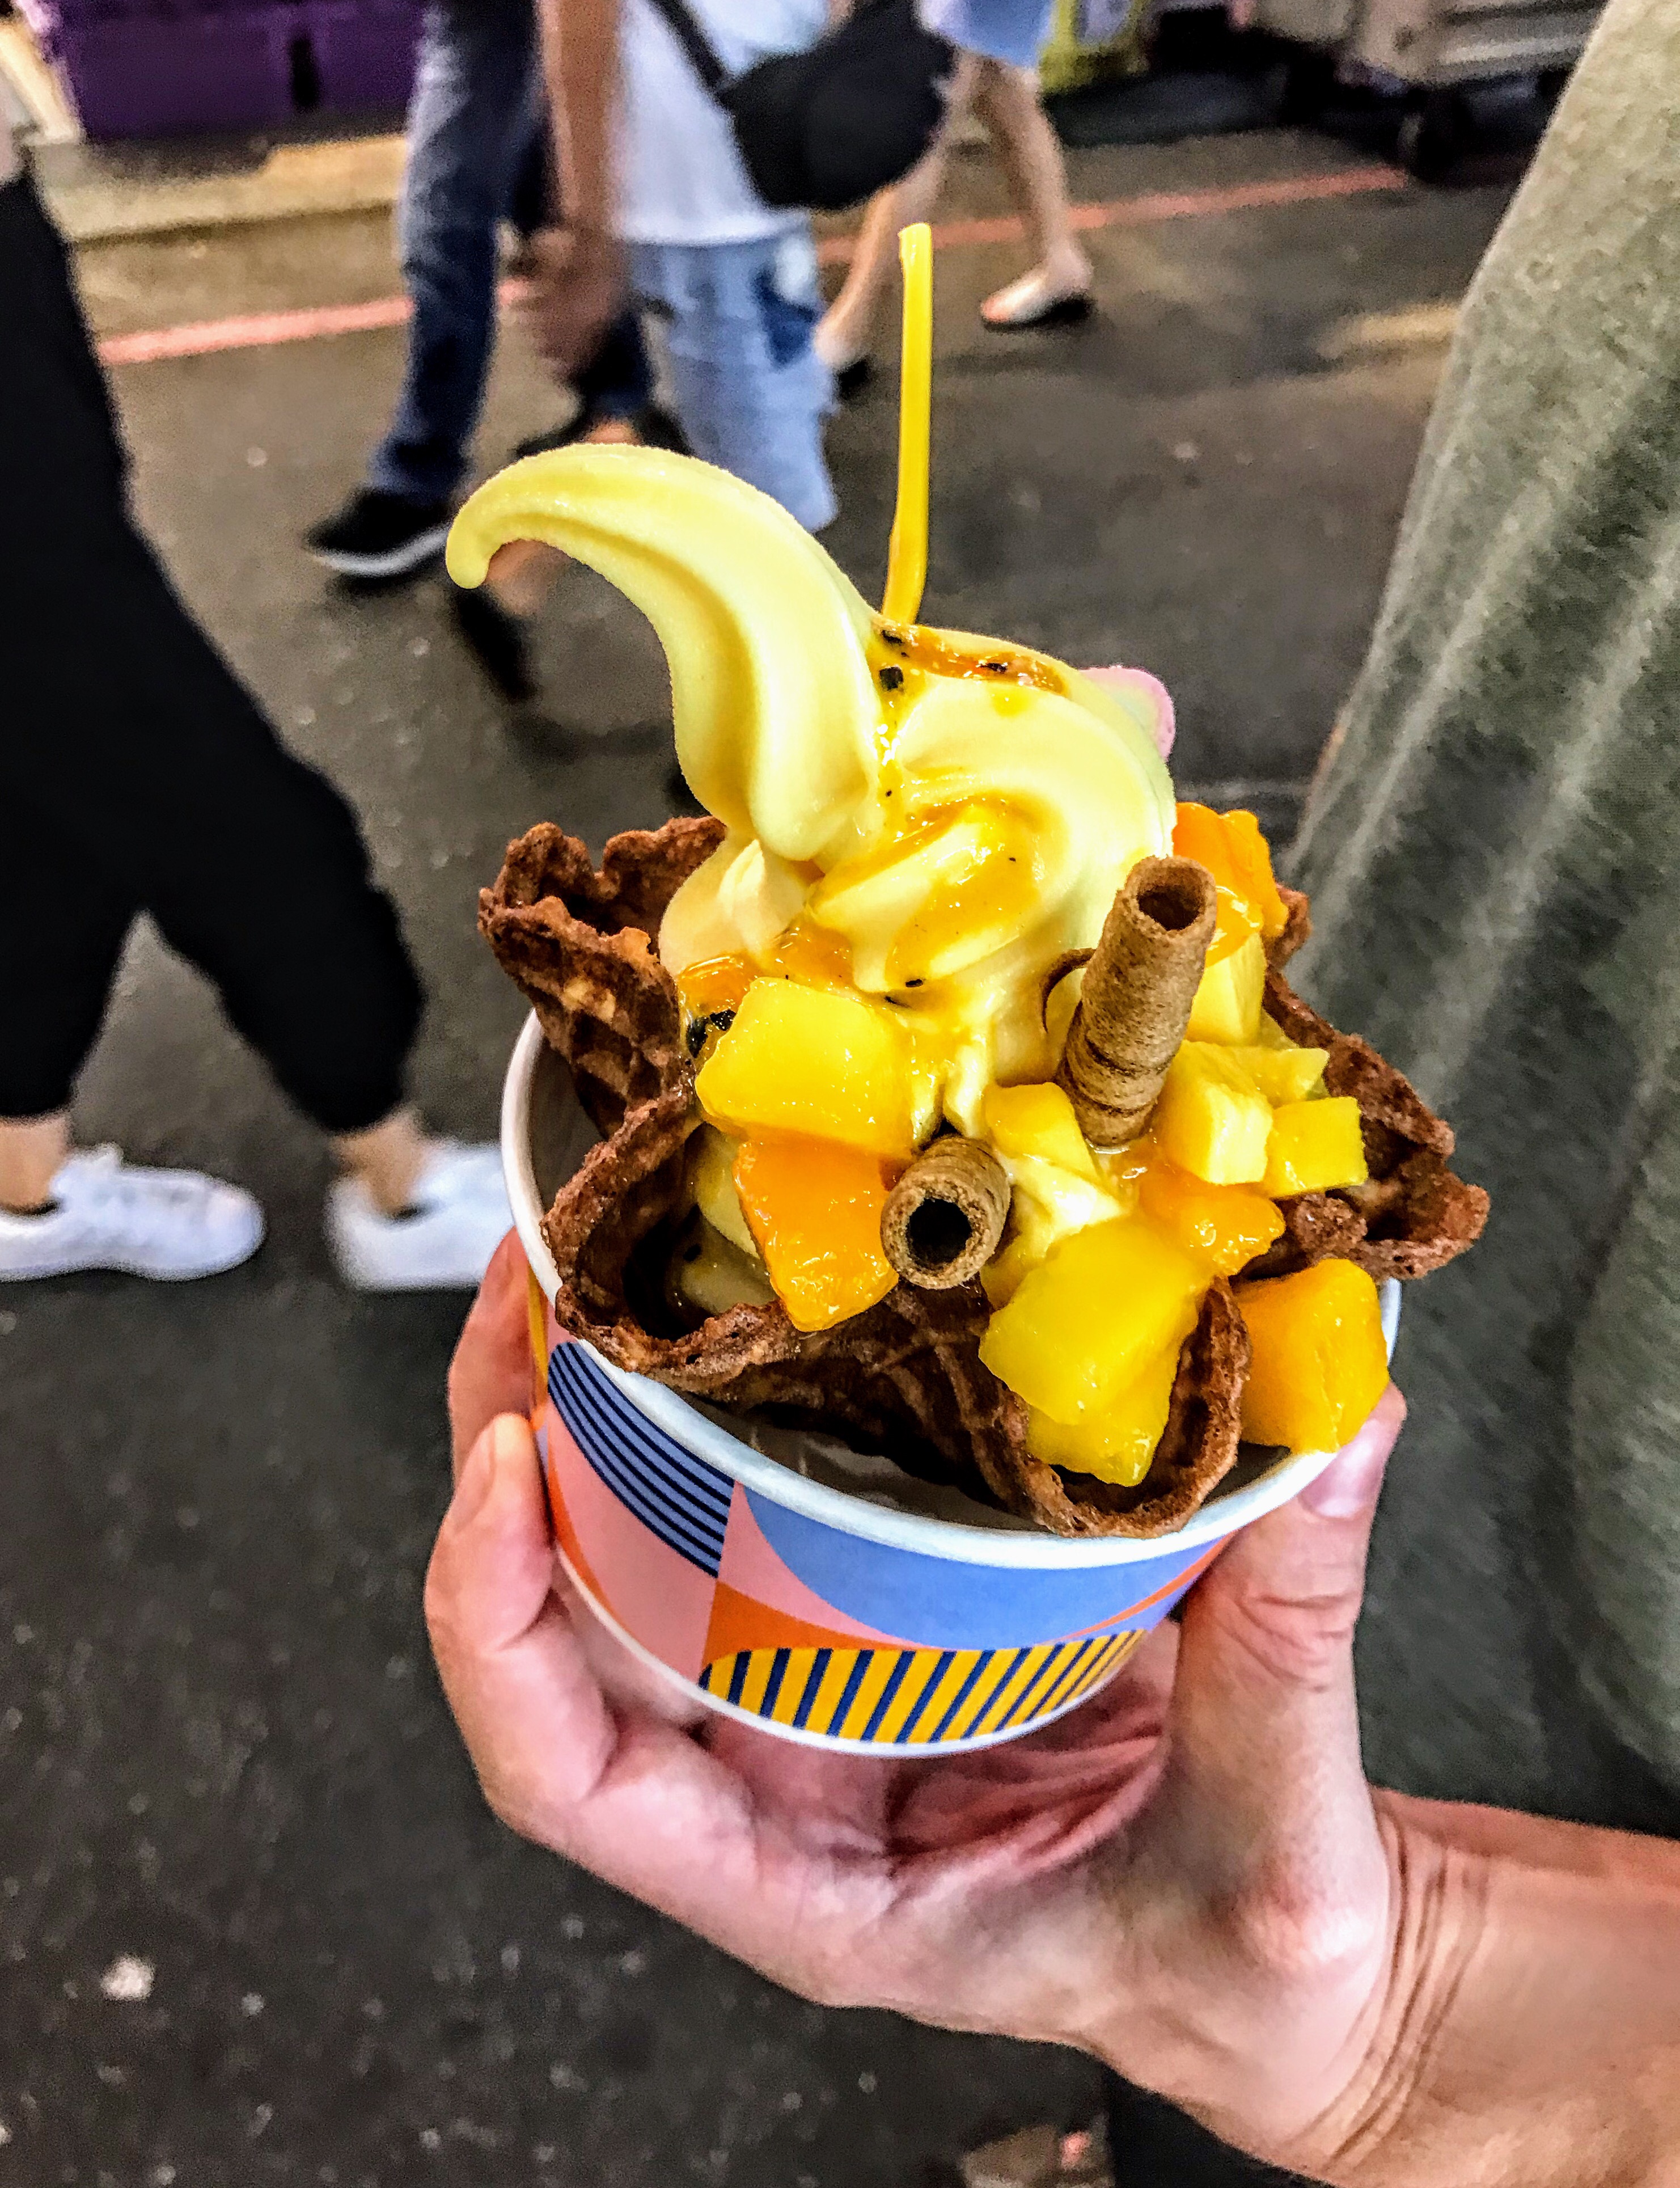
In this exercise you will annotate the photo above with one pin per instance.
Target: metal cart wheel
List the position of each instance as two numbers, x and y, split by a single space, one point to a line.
1434 136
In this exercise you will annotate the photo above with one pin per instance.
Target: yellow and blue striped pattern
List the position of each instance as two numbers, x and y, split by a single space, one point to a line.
913 1697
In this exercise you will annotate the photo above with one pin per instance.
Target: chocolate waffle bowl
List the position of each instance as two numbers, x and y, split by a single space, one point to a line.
905 1377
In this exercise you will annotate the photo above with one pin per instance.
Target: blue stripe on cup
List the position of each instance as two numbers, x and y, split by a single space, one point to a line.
674 1495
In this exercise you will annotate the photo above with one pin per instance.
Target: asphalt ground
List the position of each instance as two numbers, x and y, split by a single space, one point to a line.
255 1923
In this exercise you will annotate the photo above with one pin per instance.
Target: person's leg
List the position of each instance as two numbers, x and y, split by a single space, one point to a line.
469 141
64 908
847 332
56 971
534 189
138 769
62 922
254 869
1058 282
751 392
617 383
256 873
32 1151
847 327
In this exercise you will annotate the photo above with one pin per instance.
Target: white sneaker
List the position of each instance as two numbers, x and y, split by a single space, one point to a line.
164 1223
443 1243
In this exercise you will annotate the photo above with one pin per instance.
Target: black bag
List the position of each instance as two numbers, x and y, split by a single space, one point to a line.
831 126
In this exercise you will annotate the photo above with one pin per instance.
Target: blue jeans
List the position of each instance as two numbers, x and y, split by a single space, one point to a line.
477 155
750 392
477 132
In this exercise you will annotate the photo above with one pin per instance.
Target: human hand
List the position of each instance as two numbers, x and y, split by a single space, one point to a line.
572 288
1187 1875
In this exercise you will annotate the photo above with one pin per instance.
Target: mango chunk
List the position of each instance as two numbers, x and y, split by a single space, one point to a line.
1117 1443
1315 1147
1320 1363
813 1209
1227 1005
818 1062
1272 1035
1048 1203
1284 1074
1227 1225
1198 833
1231 848
1037 1121
711 1180
1251 871
1211 1119
1085 1323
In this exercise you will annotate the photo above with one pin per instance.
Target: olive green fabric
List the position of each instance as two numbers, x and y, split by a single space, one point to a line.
1496 878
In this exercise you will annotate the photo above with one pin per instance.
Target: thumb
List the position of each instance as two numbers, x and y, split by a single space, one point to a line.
532 1716
1264 1730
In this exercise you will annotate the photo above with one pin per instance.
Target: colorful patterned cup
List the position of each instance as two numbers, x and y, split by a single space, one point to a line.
797 1607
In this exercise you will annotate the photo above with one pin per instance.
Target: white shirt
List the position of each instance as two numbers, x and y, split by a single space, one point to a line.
680 178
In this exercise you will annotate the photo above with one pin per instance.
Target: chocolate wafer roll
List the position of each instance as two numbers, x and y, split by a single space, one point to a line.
944 1218
1135 1004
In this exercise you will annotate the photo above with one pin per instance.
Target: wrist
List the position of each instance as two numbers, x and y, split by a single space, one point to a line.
1534 2033
1441 1901
1304 2037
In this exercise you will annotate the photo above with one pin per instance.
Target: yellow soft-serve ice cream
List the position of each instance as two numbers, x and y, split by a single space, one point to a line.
930 818
939 845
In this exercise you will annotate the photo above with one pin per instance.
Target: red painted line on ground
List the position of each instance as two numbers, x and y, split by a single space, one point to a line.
1155 205
259 331
263 329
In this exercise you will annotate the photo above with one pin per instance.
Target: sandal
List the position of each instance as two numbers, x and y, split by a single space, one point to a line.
1031 301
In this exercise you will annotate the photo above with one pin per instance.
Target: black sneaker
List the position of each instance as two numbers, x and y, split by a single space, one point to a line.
654 428
496 641
660 430
853 380
380 535
557 437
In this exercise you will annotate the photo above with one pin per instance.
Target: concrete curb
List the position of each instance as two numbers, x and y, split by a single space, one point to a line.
99 193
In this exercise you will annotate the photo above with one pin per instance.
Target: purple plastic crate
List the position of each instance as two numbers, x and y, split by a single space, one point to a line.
144 72
364 51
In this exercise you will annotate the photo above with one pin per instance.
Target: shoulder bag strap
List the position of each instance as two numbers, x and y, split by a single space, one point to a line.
694 42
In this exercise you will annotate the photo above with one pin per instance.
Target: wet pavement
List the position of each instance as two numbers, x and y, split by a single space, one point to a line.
254 1923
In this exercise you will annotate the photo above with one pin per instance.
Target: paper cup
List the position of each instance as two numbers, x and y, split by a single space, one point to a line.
809 1612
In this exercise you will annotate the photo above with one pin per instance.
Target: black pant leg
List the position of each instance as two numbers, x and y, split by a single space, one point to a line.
61 936
148 763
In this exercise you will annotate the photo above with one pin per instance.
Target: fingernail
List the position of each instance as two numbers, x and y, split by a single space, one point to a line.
1351 1482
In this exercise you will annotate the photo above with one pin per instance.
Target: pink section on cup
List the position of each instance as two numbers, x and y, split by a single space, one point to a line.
752 1568
655 1594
